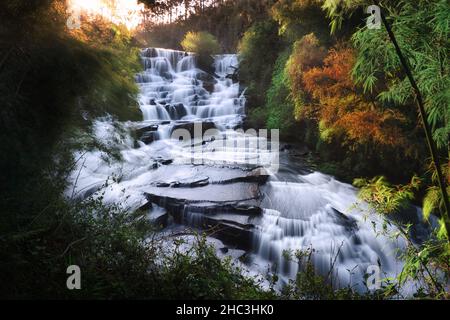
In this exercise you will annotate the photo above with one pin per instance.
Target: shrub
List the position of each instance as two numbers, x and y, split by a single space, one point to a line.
258 51
204 45
297 18
307 53
279 105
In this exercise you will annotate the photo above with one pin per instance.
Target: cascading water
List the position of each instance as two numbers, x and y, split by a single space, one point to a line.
290 211
172 88
319 212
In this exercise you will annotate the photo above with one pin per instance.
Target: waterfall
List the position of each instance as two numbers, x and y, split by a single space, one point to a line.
173 88
295 210
318 212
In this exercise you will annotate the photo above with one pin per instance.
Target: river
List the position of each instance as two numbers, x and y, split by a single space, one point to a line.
189 163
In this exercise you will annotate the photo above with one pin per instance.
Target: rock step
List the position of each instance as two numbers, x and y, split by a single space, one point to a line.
258 175
179 206
230 222
215 193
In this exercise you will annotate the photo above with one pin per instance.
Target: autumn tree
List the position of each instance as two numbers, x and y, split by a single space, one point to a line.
343 109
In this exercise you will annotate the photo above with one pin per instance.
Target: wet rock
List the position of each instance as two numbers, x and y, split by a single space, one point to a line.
151 128
163 161
199 181
156 215
149 137
224 250
176 111
230 221
232 234
191 127
217 175
193 182
161 184
258 175
349 223
209 85
286 147
233 76
149 53
205 77
239 198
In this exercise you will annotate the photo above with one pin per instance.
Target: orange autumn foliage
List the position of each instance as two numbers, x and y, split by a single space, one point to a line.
373 126
307 54
340 106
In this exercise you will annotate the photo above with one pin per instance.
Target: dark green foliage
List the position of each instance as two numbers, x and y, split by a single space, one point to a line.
46 87
204 45
426 263
280 108
422 30
297 18
108 245
310 285
200 274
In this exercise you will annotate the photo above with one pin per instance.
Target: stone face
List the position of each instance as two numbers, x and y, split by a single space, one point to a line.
258 175
344 220
191 182
198 181
190 127
207 80
149 53
216 174
163 161
230 222
150 128
225 200
176 111
149 137
232 234
233 76
214 193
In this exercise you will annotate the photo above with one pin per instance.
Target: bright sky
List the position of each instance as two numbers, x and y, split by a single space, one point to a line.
118 11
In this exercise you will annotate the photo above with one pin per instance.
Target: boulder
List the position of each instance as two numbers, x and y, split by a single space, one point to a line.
209 85
158 216
347 222
150 128
190 127
176 111
230 220
205 77
149 137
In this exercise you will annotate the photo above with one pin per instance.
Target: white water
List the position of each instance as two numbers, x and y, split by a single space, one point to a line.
303 215
171 78
312 210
